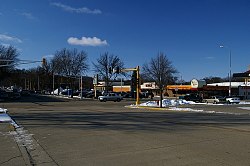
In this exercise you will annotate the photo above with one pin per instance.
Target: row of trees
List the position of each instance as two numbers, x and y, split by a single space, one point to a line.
73 63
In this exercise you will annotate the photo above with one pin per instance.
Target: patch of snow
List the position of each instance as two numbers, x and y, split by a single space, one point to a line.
166 103
174 102
2 110
245 108
244 102
202 111
171 104
5 118
184 109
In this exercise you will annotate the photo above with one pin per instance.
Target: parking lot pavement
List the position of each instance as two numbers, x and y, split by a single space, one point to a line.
97 133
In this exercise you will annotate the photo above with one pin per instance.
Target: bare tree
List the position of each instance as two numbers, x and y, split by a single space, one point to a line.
69 62
160 70
106 62
8 56
8 59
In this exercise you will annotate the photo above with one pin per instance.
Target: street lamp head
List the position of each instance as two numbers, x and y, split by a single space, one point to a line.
221 46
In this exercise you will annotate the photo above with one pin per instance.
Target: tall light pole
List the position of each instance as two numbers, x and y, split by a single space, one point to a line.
230 69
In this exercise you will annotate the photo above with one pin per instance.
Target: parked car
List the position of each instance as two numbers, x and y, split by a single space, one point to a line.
91 94
193 97
14 95
3 94
232 100
214 99
110 97
25 93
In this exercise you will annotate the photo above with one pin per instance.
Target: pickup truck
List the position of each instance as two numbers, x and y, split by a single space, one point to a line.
110 97
214 100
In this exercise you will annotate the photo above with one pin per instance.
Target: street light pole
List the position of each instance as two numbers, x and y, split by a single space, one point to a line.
230 73
230 70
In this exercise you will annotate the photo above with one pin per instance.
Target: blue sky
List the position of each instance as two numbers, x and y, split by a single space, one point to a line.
189 32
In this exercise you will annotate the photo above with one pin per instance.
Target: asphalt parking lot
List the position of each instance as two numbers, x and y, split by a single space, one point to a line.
88 132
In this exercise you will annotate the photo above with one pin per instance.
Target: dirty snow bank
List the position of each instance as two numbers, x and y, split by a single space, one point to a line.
167 103
4 117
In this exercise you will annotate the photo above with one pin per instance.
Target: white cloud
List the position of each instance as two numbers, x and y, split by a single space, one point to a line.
10 38
76 10
210 57
87 41
28 15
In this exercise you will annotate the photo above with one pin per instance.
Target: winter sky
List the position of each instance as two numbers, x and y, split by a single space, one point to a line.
189 32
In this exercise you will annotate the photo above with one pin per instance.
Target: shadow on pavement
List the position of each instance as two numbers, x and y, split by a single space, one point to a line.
34 99
129 121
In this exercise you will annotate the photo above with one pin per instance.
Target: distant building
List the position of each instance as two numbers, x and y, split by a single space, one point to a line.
244 89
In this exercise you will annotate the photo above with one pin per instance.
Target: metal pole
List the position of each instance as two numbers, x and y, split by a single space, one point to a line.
38 84
53 84
95 90
25 83
230 72
138 86
121 86
81 87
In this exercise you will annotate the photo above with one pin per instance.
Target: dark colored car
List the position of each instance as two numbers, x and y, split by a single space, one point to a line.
193 97
25 93
3 94
91 94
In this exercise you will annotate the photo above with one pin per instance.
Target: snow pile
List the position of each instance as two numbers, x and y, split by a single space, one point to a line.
4 117
244 108
244 102
2 110
166 103
191 110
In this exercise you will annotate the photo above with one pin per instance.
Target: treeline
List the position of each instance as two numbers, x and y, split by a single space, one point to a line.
67 65
64 69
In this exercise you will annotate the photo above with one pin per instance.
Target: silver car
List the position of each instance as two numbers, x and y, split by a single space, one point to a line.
214 99
110 97
232 100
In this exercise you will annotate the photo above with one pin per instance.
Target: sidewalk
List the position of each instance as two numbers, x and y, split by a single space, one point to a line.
10 152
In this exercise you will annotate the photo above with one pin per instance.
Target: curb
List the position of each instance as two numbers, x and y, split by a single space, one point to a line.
150 108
